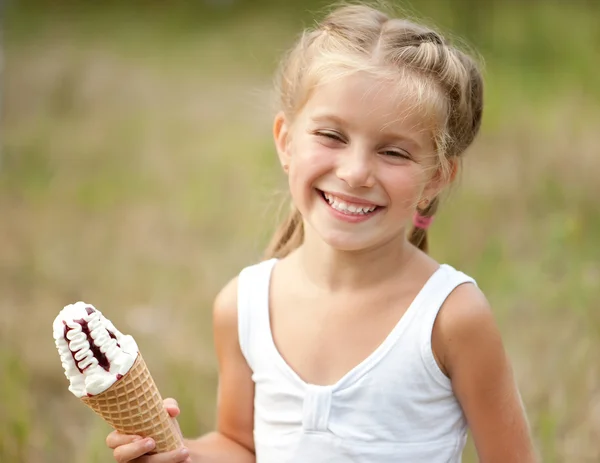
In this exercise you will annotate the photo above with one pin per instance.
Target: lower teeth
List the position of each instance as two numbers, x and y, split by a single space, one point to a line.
351 213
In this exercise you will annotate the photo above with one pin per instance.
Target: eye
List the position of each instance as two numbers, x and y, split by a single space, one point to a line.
331 135
397 154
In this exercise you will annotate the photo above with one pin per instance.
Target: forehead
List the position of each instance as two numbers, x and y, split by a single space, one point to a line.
376 103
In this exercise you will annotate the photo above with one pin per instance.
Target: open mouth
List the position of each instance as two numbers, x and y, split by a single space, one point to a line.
346 207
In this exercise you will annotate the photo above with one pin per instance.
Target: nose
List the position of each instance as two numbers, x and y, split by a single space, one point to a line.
355 167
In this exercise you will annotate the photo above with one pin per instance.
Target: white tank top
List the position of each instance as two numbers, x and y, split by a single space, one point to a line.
395 406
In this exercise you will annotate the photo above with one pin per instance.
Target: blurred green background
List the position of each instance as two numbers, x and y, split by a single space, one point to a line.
137 173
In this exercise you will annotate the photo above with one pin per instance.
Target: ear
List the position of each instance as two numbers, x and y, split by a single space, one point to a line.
454 165
440 180
281 137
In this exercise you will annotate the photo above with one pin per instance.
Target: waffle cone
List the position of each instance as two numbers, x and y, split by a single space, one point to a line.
133 405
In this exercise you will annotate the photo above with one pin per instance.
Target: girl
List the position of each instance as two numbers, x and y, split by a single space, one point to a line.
349 343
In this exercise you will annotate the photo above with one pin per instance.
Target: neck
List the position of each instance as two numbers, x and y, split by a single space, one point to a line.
333 270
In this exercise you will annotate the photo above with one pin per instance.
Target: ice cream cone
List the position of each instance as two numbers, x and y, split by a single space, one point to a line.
133 405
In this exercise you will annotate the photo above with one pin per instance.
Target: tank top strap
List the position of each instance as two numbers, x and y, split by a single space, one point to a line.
443 283
253 306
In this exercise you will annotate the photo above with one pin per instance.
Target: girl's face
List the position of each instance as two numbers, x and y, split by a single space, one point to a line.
359 158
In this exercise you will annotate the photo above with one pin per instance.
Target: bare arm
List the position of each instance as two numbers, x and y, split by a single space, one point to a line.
216 448
469 348
233 441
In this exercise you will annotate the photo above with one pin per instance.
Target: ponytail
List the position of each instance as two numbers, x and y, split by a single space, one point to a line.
287 237
423 217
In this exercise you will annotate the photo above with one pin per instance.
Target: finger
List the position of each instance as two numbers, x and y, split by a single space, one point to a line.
174 456
128 452
116 439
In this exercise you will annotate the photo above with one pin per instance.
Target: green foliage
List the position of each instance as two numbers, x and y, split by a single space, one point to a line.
16 421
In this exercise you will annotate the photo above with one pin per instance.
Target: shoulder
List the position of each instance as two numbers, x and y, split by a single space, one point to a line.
225 303
465 322
464 309
225 316
225 324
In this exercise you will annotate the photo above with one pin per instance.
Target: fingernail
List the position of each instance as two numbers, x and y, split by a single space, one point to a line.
149 443
184 452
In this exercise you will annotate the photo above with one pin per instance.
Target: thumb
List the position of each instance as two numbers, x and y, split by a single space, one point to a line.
173 410
172 407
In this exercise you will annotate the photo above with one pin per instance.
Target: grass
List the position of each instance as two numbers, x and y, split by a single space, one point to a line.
137 173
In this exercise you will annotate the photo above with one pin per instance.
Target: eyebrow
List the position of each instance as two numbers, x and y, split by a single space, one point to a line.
327 118
387 134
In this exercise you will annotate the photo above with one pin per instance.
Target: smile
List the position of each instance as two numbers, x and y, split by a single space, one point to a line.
348 207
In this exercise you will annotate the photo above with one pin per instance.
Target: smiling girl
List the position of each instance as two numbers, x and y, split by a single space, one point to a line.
349 343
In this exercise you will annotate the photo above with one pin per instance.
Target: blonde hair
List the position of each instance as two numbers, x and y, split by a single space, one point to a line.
361 38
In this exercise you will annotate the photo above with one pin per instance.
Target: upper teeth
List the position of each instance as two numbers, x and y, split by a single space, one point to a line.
342 206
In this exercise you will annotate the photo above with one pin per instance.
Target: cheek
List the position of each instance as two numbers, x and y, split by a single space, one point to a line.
311 158
404 185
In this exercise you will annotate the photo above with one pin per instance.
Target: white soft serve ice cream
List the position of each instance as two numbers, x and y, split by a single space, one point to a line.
93 352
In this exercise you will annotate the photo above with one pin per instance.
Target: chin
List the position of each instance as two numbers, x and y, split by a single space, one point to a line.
347 242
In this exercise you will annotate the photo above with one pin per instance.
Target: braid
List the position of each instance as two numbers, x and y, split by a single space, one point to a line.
288 236
418 234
